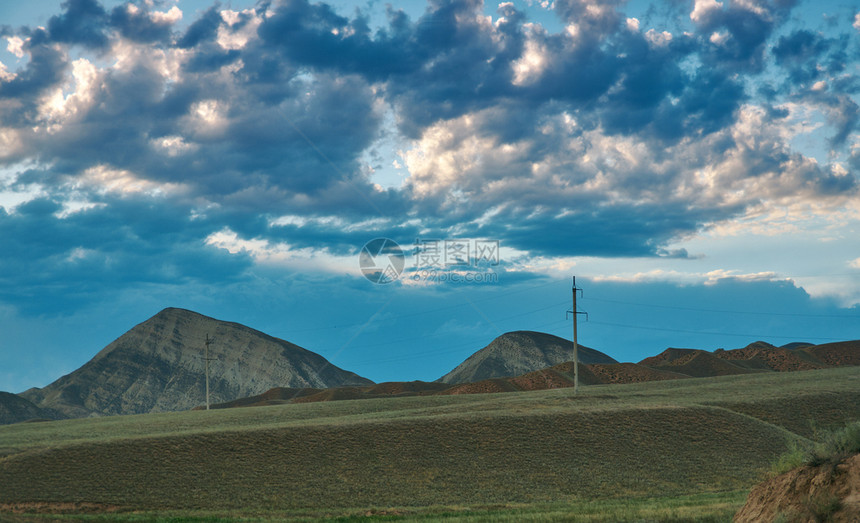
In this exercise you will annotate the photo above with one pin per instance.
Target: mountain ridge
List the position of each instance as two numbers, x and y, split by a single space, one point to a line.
518 352
158 366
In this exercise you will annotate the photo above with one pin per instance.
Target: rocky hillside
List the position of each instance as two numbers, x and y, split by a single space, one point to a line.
520 352
828 492
159 366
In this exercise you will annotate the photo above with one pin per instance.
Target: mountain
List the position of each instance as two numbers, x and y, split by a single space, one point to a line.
520 352
159 366
14 409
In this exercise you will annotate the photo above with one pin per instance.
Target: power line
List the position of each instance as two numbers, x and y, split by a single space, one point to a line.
727 311
721 333
438 334
428 311
449 349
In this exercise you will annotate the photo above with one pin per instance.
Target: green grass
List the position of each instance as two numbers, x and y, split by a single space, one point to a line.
705 507
538 456
827 446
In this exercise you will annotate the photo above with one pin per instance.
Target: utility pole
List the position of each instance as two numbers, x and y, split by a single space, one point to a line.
207 358
575 341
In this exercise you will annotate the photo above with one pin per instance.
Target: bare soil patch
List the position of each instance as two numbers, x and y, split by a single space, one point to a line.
828 492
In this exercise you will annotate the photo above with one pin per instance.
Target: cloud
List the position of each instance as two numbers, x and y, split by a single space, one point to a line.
737 31
83 22
56 261
142 26
609 137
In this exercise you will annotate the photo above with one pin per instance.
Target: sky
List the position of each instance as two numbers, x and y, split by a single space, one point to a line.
395 185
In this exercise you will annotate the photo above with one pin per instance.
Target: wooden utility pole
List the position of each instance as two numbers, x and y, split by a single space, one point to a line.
575 344
575 340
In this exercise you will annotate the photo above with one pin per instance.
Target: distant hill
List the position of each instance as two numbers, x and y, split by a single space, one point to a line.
520 352
759 356
671 364
835 354
158 366
695 363
15 409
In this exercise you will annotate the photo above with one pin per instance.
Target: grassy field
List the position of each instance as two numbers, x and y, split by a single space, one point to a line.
667 451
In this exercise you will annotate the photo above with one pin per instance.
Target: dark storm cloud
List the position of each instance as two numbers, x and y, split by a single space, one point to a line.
440 66
44 70
844 115
636 231
83 22
597 18
138 26
52 260
809 56
737 33
816 74
204 29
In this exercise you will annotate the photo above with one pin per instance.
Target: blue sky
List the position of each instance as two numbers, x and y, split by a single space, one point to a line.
693 164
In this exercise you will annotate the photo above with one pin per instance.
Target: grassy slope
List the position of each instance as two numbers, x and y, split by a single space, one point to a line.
669 438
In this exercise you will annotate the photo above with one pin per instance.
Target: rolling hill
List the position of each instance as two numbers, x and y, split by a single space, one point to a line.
671 364
671 439
158 366
519 352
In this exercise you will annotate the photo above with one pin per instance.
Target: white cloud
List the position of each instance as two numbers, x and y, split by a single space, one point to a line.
531 65
658 39
719 38
207 119
106 179
5 75
173 145
59 108
167 18
283 255
11 143
15 45
857 21
711 277
702 9
232 39
633 24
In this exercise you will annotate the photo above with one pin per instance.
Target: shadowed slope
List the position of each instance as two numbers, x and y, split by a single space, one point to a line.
14 409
